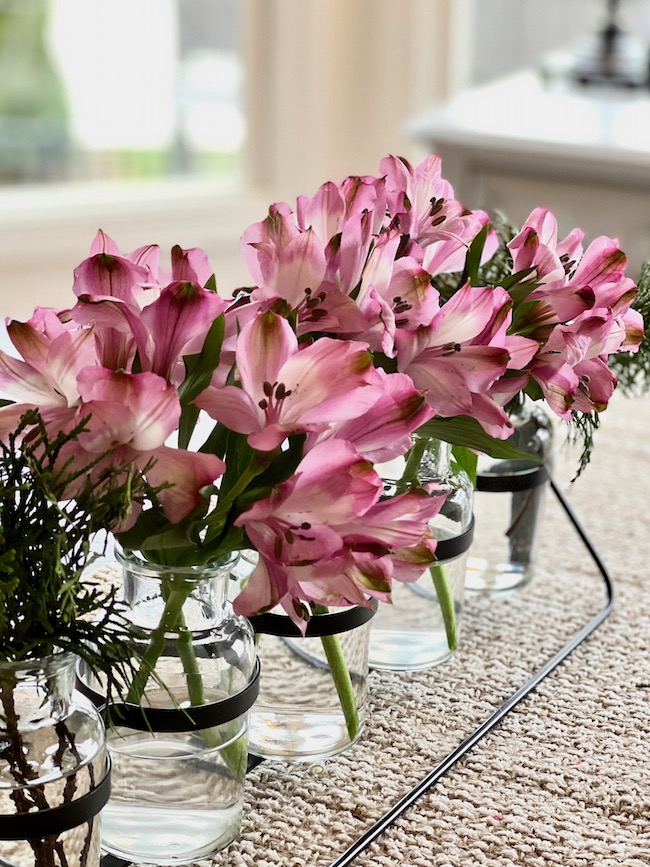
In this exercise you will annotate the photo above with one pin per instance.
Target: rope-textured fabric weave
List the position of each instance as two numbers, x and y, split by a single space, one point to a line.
565 778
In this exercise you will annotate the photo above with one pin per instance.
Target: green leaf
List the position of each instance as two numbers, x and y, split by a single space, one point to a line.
514 279
186 424
385 363
473 260
234 540
465 460
200 367
279 470
238 457
167 543
217 442
521 291
149 523
198 373
534 390
250 496
467 432
284 465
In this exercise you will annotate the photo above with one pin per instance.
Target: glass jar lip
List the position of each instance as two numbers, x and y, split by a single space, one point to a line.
199 572
49 664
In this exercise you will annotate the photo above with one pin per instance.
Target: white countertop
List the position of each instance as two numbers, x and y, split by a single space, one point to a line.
521 117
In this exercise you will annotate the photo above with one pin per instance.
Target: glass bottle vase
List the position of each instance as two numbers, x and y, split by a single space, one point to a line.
509 505
422 626
312 700
54 773
179 764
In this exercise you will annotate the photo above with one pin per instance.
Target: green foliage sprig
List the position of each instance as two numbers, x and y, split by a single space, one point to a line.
633 368
581 429
48 600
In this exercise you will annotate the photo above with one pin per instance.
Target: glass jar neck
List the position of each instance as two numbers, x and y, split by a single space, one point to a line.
533 428
38 689
435 462
152 590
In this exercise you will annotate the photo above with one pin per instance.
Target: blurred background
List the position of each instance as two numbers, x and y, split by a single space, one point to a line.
180 121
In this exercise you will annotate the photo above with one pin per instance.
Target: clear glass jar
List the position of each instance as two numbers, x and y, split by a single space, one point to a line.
422 626
53 755
177 792
313 692
508 506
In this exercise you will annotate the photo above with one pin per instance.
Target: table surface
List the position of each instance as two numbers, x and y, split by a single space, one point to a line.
564 779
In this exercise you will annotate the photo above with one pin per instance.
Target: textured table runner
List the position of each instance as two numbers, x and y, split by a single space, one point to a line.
565 778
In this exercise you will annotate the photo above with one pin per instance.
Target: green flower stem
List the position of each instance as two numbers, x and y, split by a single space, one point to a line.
235 754
187 656
446 601
169 621
413 459
341 677
211 737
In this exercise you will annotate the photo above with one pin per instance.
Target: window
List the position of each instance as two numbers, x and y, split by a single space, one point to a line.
152 89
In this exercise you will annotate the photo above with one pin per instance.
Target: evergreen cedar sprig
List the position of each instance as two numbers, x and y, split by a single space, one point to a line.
581 429
47 602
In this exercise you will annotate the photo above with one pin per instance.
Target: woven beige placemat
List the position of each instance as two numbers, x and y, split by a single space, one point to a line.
565 778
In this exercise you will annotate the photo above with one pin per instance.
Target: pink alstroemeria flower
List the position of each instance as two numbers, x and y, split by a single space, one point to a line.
570 282
537 246
384 431
285 389
323 536
356 259
128 416
132 311
313 274
54 352
571 367
177 323
321 213
395 293
423 203
190 266
283 260
109 273
131 416
461 355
